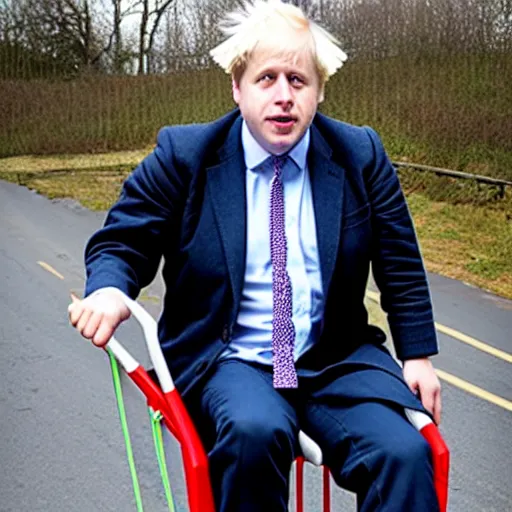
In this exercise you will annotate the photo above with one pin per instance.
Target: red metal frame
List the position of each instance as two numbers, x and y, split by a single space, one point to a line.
165 398
200 497
179 423
441 464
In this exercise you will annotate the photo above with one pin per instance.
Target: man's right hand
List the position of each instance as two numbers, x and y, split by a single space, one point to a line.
97 316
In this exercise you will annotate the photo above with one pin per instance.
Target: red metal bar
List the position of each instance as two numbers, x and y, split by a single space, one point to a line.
178 421
195 460
154 396
327 489
441 463
299 469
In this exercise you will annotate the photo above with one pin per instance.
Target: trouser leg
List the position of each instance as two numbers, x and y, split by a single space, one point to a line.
250 432
374 451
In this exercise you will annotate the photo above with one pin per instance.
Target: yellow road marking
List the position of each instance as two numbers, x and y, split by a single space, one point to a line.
50 269
464 338
474 343
474 390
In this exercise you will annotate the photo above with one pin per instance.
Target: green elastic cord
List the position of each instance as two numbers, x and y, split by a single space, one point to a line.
124 426
156 427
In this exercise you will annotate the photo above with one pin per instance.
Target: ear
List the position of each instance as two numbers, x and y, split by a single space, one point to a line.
236 91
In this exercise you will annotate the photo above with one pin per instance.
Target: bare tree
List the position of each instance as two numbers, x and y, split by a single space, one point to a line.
151 15
116 36
57 34
68 23
120 47
67 37
190 32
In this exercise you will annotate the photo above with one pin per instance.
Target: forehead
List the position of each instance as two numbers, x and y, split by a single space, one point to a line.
290 58
287 60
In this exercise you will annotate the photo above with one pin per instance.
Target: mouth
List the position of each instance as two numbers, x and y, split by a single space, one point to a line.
282 121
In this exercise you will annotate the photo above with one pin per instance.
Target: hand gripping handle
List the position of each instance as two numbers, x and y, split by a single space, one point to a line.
150 330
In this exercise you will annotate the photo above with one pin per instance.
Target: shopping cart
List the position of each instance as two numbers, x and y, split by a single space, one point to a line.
166 407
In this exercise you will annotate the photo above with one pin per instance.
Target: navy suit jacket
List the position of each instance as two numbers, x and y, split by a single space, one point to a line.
186 202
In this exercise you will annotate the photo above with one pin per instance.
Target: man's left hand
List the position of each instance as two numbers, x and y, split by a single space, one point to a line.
422 379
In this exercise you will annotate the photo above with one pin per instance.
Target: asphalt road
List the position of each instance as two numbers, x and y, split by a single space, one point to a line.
61 447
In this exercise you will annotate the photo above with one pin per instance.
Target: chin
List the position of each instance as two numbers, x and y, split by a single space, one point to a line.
280 147
287 143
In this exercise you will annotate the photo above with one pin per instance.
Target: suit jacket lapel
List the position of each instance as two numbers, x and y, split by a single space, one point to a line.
227 190
226 187
327 182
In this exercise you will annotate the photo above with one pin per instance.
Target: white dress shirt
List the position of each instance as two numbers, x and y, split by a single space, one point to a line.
252 333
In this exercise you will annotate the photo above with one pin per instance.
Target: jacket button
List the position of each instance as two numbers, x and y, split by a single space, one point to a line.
226 334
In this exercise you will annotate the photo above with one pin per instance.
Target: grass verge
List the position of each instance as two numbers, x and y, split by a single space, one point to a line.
467 242
42 164
96 188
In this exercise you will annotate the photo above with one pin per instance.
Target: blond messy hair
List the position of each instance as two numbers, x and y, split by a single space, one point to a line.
261 22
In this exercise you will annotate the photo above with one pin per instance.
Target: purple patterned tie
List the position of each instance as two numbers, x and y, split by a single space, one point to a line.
283 332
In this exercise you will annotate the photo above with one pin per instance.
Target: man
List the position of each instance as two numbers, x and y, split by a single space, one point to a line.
267 220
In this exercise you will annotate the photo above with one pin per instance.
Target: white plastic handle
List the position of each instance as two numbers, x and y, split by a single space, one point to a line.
419 419
310 449
150 330
313 453
127 361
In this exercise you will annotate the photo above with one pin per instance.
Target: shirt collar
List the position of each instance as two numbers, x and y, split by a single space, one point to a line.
255 155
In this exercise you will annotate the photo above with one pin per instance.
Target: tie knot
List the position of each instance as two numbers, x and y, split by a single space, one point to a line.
278 162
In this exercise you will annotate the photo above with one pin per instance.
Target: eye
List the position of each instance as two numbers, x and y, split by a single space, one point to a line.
267 77
296 80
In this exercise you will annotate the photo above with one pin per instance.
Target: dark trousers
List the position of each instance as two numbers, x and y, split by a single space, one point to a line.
250 431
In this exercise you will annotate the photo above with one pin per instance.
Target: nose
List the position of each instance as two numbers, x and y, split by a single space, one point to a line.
284 93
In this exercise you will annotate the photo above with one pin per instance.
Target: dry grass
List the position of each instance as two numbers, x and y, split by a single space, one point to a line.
443 109
467 242
93 180
94 190
35 164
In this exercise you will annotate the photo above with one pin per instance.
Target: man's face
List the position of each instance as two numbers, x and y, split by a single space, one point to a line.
278 97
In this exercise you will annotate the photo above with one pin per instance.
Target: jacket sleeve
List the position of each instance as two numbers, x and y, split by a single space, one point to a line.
397 263
125 253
